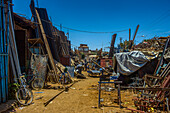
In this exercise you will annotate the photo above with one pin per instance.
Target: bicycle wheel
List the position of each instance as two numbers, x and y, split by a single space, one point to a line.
24 96
37 84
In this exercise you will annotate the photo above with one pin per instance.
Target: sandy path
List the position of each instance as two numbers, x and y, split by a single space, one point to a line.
79 99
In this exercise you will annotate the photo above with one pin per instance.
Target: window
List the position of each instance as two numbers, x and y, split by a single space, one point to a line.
86 49
80 49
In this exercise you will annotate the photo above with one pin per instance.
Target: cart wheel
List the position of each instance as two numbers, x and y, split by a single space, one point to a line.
24 96
37 84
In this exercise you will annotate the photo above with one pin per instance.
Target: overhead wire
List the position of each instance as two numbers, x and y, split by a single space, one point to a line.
158 23
92 31
157 20
160 20
82 30
155 23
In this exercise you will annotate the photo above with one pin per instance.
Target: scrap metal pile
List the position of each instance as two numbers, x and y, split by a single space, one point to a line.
43 54
154 44
154 95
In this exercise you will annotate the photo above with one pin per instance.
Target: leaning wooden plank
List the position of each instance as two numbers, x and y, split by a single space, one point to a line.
13 45
12 65
46 44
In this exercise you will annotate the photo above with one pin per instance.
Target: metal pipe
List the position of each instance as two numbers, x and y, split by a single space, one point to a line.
0 47
7 43
13 45
3 51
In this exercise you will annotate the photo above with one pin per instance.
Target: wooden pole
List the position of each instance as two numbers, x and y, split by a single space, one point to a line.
46 44
111 52
119 95
99 94
132 41
135 33
129 33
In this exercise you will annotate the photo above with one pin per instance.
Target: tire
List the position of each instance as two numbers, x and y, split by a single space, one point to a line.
37 84
24 96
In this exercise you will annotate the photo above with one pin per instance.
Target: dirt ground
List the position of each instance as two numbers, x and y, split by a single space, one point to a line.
82 97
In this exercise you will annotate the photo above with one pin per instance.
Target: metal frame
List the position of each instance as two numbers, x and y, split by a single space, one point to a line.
104 82
118 89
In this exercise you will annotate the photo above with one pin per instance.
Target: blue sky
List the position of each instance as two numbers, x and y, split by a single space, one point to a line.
105 16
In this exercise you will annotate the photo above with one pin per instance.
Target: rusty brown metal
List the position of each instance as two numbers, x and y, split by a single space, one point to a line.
112 45
135 33
129 33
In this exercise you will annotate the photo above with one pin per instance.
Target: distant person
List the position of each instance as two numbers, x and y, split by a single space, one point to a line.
85 64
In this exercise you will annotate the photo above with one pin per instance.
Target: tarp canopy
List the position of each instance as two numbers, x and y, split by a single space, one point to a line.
129 62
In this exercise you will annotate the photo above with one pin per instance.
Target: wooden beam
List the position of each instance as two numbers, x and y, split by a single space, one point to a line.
135 33
129 33
35 41
46 44
111 52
